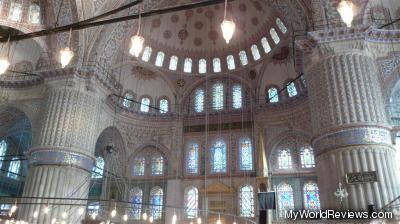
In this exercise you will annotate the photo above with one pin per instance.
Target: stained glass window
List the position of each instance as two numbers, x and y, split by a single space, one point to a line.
285 159
311 196
127 100
281 25
243 58
246 201
93 208
1 5
291 89
230 60
273 96
245 154
15 11
192 159
139 166
217 65
98 169
3 150
156 202
265 45
173 63
147 53
144 106
157 165
191 202
218 96
307 158
202 66
13 169
160 59
137 200
199 100
274 35
187 67
164 106
285 198
237 96
255 52
218 157
34 13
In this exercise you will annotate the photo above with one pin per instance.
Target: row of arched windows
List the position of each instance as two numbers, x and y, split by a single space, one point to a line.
216 62
145 104
218 97
15 163
156 199
15 12
285 160
218 157
285 197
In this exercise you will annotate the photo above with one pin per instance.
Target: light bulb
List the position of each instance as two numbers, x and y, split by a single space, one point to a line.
191 222
199 220
81 211
4 64
136 45
35 214
113 213
151 219
174 218
125 217
144 216
13 209
234 223
94 214
64 215
66 55
345 9
53 221
46 209
219 221
228 28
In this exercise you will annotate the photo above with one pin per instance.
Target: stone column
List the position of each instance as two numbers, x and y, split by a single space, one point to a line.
349 124
61 158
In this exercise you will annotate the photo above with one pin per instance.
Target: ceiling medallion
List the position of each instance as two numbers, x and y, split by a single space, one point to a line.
252 74
181 82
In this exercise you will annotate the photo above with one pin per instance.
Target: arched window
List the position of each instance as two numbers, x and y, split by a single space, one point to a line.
173 63
291 89
192 159
157 165
93 208
281 25
136 200
230 61
160 59
164 106
145 105
285 198
13 169
307 158
311 196
156 202
34 13
255 52
273 96
237 96
187 66
274 35
217 65
3 150
147 53
127 100
191 202
245 154
98 169
138 166
265 44
15 11
218 96
218 157
285 159
246 201
202 66
199 100
243 58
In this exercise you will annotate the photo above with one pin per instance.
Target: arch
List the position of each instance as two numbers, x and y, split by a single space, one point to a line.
192 158
245 154
311 196
191 202
285 198
136 198
156 202
246 201
218 156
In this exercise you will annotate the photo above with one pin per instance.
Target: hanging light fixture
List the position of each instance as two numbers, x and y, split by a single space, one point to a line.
114 212
219 220
144 216
81 211
64 215
345 9
198 220
94 214
35 214
125 217
151 219
227 26
4 62
46 209
66 54
174 218
137 41
13 208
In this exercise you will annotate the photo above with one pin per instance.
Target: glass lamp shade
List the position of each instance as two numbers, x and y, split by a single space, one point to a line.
144 216
228 29
66 55
151 219
125 217
4 64
113 213
345 9
136 45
